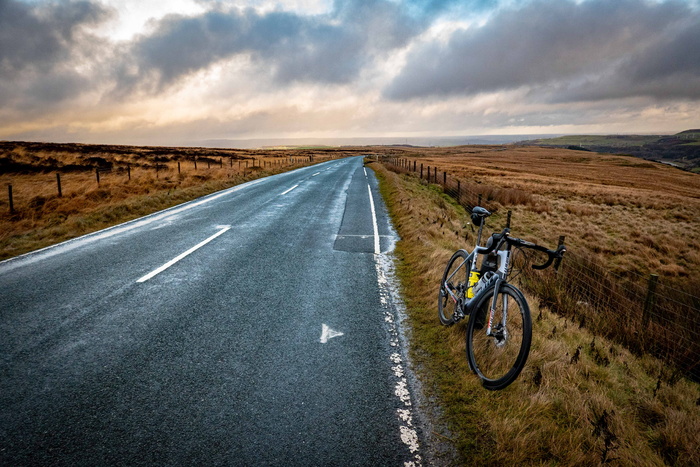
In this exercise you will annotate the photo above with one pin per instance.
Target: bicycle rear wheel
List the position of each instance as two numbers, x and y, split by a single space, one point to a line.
454 278
500 357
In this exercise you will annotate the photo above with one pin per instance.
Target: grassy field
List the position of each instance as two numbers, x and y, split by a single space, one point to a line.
680 149
581 399
642 217
614 141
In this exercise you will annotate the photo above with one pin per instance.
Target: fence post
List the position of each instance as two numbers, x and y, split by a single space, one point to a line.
128 171
97 175
414 166
444 179
459 192
58 183
557 261
479 202
178 167
421 170
195 163
510 214
428 174
650 300
12 204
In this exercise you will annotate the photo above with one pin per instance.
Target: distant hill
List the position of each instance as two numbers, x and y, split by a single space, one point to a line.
681 149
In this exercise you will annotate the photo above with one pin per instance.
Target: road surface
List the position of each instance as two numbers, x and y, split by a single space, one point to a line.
249 327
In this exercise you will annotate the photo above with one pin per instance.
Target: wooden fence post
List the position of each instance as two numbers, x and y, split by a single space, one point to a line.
178 167
58 183
444 179
650 300
421 170
459 192
128 171
97 175
510 214
557 261
195 163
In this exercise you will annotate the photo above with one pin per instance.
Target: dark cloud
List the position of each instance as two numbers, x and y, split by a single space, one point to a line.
42 36
39 46
561 48
667 69
331 48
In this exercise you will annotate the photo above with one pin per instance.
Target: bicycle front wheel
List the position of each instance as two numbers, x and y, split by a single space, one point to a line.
499 357
453 287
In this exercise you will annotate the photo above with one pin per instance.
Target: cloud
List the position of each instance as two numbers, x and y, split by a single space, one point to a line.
40 47
562 50
327 48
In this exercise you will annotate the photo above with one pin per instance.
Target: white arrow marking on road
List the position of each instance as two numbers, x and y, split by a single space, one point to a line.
328 333
223 228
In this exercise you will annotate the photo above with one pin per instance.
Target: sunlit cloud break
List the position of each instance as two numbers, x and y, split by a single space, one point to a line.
189 71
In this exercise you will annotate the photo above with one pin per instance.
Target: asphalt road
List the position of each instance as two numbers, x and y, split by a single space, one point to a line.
251 327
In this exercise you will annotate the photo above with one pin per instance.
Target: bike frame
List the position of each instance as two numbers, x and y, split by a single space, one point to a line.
466 307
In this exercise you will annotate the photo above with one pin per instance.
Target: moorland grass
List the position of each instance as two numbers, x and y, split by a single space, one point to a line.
581 399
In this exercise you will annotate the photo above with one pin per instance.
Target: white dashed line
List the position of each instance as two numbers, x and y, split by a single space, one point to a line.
285 192
151 274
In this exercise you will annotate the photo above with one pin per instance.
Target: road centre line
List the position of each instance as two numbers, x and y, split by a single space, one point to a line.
317 173
377 250
155 272
285 192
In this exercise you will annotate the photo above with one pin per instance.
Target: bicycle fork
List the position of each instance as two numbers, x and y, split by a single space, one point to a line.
498 332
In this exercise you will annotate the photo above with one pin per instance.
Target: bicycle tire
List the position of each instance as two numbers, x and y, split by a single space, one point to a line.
446 304
499 359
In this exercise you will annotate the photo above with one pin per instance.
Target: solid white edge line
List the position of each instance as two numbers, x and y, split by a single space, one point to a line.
178 258
377 250
285 192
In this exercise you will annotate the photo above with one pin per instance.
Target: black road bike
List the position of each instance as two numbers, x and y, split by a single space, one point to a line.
499 330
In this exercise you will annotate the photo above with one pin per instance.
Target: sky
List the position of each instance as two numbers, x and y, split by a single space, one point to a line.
183 72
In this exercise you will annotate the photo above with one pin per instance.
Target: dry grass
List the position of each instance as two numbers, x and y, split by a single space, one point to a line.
581 400
643 217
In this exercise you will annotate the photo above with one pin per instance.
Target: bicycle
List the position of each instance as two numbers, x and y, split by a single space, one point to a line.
499 330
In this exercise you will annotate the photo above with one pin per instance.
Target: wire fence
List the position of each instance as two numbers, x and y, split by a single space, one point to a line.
638 312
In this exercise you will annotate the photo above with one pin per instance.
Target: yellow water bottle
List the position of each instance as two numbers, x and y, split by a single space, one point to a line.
473 279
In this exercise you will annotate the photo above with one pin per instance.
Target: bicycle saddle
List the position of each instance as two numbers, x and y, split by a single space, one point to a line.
479 211
478 215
